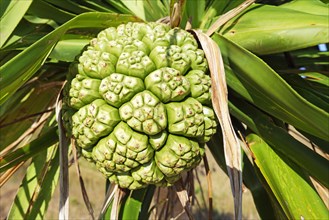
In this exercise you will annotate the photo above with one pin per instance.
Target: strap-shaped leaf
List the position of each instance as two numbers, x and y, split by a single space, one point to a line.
281 140
99 5
132 205
67 49
71 6
45 10
290 185
228 16
37 187
194 10
11 13
215 9
147 10
265 35
260 196
29 30
305 89
316 7
258 83
19 69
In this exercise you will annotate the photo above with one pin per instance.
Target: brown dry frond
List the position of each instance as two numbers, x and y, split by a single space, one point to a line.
82 185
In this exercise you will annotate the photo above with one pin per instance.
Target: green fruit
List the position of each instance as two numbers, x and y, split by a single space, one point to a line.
138 103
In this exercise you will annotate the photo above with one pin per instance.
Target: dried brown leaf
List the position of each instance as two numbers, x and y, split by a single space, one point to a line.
176 12
118 197
63 163
34 127
232 149
111 191
183 198
82 185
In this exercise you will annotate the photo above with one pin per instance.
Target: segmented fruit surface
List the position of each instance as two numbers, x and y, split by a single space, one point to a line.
138 103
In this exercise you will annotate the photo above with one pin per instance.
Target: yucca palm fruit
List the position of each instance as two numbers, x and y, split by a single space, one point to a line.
138 103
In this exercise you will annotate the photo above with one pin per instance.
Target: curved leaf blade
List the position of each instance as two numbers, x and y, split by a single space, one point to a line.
194 10
147 10
45 10
260 196
310 6
251 78
37 187
67 49
132 206
305 89
119 6
73 7
278 30
290 185
281 140
18 70
15 10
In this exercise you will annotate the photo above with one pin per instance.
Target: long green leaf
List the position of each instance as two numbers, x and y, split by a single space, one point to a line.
310 6
70 6
11 16
266 204
131 207
195 10
37 187
250 180
313 97
147 10
18 70
67 49
43 9
98 5
147 202
305 89
281 140
215 9
318 81
251 78
45 141
299 61
290 185
21 43
119 6
29 30
278 30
